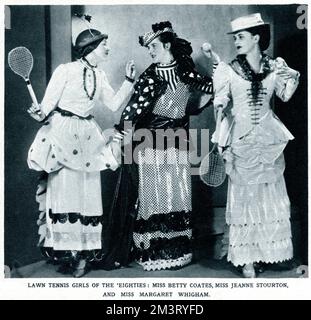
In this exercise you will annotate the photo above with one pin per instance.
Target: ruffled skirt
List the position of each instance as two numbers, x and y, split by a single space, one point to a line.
163 233
72 151
70 142
258 207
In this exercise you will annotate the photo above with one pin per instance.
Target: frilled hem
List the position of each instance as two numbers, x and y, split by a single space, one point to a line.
73 217
257 234
164 253
269 252
162 264
70 256
268 242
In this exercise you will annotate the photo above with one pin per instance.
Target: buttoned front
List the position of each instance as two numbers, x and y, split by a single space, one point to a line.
244 112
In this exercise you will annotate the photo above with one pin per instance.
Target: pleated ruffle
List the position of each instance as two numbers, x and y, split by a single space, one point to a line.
268 252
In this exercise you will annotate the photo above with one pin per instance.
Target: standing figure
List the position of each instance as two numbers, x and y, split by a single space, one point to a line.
156 212
253 138
72 150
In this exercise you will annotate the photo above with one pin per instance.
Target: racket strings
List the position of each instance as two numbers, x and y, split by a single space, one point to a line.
212 169
216 173
21 61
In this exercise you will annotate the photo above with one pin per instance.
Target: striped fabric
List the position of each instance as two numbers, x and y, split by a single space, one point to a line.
168 72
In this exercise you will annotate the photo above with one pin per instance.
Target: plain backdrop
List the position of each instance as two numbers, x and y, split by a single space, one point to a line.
48 32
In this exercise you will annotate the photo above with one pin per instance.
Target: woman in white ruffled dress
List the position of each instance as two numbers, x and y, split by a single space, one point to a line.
71 148
253 140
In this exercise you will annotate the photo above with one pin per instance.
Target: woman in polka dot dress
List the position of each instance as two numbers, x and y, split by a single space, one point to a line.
161 230
72 150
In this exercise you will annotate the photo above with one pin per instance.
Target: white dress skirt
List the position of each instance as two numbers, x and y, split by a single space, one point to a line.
70 149
258 207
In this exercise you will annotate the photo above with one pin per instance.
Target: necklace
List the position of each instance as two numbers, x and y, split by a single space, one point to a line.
89 79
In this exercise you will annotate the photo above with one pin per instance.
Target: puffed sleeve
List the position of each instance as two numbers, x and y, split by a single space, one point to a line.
114 100
285 88
221 82
54 89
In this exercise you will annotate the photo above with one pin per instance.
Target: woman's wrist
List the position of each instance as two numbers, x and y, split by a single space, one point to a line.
129 79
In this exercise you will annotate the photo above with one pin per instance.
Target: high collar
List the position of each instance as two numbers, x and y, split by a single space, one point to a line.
87 64
167 66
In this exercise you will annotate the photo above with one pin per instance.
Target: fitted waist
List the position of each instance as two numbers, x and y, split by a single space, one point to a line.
66 113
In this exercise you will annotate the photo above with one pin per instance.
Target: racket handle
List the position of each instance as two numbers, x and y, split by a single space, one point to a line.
32 94
218 121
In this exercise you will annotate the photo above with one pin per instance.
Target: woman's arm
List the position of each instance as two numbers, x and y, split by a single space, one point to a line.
52 94
115 100
287 80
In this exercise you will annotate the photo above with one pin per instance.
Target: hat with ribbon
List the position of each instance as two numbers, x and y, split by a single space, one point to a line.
157 29
247 22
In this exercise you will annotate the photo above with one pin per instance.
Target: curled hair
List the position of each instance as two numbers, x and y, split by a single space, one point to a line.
161 25
264 35
181 49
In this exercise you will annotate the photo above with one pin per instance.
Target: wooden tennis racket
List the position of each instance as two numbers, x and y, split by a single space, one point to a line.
20 61
212 169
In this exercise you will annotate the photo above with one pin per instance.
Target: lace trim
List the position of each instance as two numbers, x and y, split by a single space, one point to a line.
258 223
261 244
146 238
72 237
168 222
166 264
71 255
162 248
73 217
243 255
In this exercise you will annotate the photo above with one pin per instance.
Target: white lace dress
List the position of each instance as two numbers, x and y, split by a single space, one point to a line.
258 207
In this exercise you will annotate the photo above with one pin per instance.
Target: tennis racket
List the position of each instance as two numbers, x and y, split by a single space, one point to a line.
21 62
212 168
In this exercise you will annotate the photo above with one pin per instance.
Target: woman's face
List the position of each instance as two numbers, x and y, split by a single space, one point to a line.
102 50
159 52
245 42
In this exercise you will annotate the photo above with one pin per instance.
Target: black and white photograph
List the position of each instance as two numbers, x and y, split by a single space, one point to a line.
155 150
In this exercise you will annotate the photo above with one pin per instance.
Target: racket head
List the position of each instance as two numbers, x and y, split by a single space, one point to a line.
20 61
212 169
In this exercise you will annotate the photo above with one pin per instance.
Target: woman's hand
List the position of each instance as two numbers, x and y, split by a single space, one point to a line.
130 70
283 70
122 138
36 113
209 53
119 140
287 73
